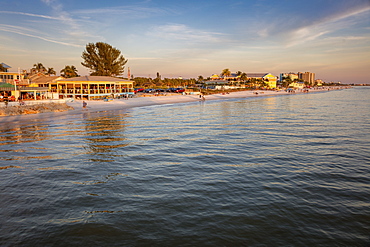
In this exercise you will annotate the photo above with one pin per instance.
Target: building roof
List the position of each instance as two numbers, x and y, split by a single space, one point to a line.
6 87
94 78
5 66
46 79
256 75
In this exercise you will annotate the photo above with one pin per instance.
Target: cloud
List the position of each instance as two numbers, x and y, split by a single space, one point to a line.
26 32
123 11
48 2
329 24
29 14
183 32
61 14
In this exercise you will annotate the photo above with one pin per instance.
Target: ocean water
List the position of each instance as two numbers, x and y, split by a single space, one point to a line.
265 171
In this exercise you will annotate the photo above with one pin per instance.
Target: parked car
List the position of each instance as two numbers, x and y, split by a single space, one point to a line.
179 90
149 90
138 90
159 90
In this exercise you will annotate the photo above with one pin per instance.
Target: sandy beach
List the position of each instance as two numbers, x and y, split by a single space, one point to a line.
118 104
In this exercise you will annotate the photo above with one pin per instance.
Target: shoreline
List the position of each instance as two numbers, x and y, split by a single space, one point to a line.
118 104
94 106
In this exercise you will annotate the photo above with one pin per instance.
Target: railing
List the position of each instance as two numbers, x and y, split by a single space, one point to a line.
92 91
33 102
12 81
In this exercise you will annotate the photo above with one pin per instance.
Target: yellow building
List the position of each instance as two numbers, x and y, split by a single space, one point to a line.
268 78
12 78
319 82
91 87
11 82
15 78
215 77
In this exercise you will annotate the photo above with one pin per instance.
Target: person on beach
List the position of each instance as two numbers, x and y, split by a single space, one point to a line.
201 96
84 104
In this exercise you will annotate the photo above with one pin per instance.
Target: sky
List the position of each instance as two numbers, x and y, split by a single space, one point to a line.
330 38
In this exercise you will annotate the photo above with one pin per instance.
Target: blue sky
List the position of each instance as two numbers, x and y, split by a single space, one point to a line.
191 38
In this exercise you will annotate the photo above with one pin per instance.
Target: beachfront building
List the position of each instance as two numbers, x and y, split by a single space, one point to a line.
39 87
231 77
215 77
268 78
319 82
217 80
297 85
307 77
91 87
292 76
10 82
15 78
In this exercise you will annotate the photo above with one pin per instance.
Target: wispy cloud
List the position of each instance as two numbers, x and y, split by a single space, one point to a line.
62 15
28 32
125 11
183 32
329 24
30 14
52 25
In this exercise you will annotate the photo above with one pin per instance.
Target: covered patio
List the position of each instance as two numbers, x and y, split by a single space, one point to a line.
92 87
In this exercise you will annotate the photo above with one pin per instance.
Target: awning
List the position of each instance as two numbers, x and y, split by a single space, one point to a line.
6 87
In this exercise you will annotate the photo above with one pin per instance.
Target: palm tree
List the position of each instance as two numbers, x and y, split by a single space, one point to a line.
226 72
243 77
200 78
51 71
69 71
38 68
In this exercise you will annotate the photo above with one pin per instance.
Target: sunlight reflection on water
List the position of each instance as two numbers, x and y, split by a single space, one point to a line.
293 168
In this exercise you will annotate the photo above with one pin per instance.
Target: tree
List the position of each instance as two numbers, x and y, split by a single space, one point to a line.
285 81
51 71
38 68
69 71
200 78
243 77
226 72
103 59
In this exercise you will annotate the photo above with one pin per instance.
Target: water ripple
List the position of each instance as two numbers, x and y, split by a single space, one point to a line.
218 173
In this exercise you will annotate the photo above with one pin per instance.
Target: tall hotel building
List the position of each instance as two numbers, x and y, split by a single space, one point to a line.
307 77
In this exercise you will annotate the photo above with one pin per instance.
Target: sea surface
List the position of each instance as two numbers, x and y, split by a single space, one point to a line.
289 170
